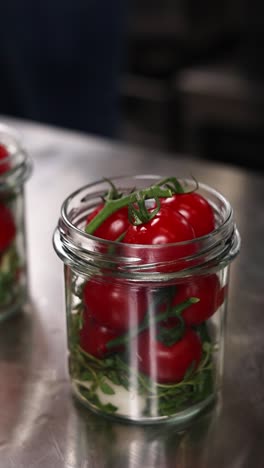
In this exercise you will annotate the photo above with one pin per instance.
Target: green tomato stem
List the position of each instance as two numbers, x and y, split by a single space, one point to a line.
171 312
172 183
111 206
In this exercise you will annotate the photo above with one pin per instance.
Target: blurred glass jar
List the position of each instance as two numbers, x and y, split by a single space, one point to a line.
15 168
145 323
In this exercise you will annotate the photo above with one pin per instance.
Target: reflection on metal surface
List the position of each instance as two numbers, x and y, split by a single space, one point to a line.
41 426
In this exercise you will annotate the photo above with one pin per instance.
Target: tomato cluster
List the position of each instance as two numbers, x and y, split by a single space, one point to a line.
112 308
7 224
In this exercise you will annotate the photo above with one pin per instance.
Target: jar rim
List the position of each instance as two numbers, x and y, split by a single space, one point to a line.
77 244
17 161
218 229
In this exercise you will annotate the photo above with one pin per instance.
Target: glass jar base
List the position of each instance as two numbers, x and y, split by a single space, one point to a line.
180 419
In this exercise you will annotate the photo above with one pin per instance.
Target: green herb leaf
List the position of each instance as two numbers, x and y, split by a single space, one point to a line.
189 371
106 388
9 266
109 408
87 375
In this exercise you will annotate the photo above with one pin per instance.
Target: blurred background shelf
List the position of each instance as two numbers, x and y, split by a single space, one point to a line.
193 82
179 75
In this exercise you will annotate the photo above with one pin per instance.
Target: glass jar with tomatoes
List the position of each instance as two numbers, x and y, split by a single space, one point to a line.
15 168
146 264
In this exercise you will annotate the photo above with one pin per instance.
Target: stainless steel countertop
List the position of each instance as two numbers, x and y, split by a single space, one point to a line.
41 426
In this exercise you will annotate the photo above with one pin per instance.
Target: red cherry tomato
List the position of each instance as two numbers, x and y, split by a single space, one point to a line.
208 290
166 227
94 338
7 227
195 209
4 166
168 364
114 304
112 228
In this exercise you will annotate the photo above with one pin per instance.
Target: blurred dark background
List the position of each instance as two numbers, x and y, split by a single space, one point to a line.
176 75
